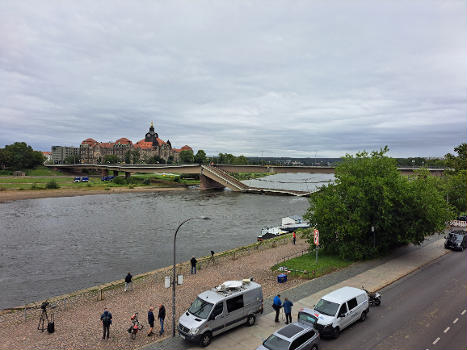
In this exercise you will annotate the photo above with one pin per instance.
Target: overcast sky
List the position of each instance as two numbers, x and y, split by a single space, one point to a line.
272 78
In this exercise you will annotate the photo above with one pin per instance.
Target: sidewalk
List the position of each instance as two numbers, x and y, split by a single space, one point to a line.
308 294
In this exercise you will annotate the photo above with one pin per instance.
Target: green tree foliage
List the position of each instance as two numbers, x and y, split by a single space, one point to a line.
369 191
455 181
71 159
154 160
240 160
458 162
20 156
456 190
186 156
227 158
111 159
200 157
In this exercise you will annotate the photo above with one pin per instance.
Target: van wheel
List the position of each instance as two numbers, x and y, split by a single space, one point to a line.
205 339
363 316
336 332
251 320
378 302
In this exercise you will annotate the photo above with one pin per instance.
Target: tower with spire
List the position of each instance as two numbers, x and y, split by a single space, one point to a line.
151 135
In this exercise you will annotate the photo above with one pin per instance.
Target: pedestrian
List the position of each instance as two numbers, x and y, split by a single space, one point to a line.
106 319
161 317
287 310
193 265
276 305
294 237
151 321
128 283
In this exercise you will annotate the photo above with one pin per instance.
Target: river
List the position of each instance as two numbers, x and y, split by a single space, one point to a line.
53 246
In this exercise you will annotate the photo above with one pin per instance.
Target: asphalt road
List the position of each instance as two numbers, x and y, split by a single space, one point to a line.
424 310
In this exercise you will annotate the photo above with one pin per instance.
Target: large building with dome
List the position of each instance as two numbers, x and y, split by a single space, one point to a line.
151 147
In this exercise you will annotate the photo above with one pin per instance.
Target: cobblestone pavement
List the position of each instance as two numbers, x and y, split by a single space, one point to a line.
79 326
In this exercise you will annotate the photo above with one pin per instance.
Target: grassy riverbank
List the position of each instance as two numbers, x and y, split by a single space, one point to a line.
34 181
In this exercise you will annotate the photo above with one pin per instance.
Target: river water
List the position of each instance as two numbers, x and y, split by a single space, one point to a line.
53 246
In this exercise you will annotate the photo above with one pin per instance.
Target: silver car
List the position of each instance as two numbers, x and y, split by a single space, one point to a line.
295 336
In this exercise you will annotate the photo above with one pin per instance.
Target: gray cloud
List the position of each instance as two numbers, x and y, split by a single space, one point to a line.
252 78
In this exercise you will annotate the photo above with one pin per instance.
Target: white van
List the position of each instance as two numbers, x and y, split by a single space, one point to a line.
336 311
219 309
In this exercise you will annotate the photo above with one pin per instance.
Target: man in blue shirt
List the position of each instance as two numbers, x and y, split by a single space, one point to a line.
276 305
287 310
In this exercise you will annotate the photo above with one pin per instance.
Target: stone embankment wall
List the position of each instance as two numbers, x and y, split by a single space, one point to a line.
63 302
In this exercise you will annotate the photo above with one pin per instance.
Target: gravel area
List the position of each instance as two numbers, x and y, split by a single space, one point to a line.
79 326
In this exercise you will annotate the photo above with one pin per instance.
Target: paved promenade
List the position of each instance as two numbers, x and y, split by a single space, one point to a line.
382 273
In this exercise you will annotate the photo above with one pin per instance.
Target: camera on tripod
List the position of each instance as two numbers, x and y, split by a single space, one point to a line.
44 318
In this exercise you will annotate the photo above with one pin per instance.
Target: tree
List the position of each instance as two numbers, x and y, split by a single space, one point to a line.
370 192
240 160
111 159
20 156
71 159
200 157
186 156
458 162
225 158
154 160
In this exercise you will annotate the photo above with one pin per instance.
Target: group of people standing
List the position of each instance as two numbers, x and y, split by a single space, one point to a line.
287 305
106 319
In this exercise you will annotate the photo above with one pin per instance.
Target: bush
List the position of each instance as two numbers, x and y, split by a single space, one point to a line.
147 181
119 180
52 184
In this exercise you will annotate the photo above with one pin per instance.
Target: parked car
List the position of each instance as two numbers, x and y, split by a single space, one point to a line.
295 336
337 310
77 179
85 179
107 178
456 240
219 309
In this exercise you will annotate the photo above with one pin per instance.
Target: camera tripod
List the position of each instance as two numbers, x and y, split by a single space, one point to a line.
41 326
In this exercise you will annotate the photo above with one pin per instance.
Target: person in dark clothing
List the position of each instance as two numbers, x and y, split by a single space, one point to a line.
151 321
287 310
161 317
128 283
106 319
276 305
193 265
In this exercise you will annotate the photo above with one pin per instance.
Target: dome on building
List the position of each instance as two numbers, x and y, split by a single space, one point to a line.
123 141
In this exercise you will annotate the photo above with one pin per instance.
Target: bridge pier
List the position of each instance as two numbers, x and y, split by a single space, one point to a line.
206 183
104 172
115 173
127 175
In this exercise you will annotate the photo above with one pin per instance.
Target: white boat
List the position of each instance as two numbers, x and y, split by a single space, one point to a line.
292 223
270 232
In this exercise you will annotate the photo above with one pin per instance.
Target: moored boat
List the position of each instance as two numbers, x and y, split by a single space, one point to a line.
270 232
292 223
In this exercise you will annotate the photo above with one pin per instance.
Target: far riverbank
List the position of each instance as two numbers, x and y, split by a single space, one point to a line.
14 195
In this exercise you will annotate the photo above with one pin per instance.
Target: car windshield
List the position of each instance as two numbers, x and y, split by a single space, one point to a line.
326 307
276 343
305 317
200 308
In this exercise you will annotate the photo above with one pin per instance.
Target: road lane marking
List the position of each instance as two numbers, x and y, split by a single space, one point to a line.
447 329
463 312
436 340
455 321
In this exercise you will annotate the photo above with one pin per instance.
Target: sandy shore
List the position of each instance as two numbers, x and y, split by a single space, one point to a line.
14 195
79 327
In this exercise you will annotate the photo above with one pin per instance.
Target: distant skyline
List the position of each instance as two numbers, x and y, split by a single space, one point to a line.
259 78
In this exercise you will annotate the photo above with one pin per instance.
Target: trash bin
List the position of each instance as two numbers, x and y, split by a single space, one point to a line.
282 278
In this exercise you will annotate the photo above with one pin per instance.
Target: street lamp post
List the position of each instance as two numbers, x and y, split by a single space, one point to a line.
174 281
